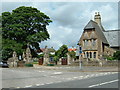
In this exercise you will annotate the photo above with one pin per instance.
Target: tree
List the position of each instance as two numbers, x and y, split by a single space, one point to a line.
56 58
72 54
117 55
62 51
22 26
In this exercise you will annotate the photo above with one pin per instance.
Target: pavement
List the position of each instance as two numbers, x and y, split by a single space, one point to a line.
32 77
81 69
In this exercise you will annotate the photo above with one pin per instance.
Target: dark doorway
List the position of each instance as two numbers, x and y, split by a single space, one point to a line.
64 61
40 61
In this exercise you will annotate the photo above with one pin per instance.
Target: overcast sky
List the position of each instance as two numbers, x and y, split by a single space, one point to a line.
70 18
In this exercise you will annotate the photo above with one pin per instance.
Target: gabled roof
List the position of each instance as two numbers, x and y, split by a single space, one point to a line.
93 25
72 49
112 37
49 49
89 25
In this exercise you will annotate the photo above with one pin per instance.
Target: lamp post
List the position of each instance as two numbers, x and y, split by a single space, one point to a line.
80 61
79 49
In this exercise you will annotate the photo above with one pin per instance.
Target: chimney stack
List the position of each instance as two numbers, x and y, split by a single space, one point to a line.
97 18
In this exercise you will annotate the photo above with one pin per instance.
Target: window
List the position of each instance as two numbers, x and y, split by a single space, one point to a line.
90 54
94 54
84 55
85 42
93 42
87 55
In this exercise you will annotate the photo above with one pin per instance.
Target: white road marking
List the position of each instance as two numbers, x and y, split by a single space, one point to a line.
57 73
37 84
28 86
92 75
75 77
69 78
49 83
105 73
42 84
109 72
103 83
87 75
41 71
80 76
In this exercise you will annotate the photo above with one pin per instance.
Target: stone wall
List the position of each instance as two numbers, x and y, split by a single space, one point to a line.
111 63
109 51
21 63
97 63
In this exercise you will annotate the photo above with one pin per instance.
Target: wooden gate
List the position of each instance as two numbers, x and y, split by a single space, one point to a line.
40 61
64 61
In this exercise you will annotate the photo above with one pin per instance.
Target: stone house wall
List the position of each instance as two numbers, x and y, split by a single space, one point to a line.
109 51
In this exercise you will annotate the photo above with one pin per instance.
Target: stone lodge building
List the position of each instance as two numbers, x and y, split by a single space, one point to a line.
96 42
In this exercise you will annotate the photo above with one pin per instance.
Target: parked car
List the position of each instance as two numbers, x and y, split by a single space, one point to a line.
1 63
4 64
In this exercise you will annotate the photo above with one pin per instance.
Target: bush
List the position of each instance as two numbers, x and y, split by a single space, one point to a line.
40 56
29 65
35 62
50 64
110 58
117 55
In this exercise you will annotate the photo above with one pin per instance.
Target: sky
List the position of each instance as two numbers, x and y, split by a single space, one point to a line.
70 18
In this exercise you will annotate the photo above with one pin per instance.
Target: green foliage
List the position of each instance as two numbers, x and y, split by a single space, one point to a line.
117 55
56 58
35 62
29 65
51 55
41 55
62 51
72 54
22 26
50 64
9 46
110 58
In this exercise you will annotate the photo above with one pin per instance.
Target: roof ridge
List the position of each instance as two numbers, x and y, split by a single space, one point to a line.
89 25
111 30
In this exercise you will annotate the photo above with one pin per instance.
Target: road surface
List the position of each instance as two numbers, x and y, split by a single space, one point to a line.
40 77
105 81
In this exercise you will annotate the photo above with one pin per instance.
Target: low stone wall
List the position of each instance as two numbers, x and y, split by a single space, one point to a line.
91 63
96 63
101 63
75 63
21 64
111 63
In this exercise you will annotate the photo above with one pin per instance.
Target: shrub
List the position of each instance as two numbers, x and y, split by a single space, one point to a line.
110 58
29 65
50 64
117 55
35 62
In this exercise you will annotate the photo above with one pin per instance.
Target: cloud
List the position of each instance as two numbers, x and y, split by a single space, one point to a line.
70 18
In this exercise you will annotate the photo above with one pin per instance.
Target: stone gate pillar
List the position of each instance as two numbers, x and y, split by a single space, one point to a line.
15 59
46 56
28 55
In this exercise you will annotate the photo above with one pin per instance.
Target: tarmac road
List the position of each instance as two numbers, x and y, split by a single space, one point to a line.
107 81
37 77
